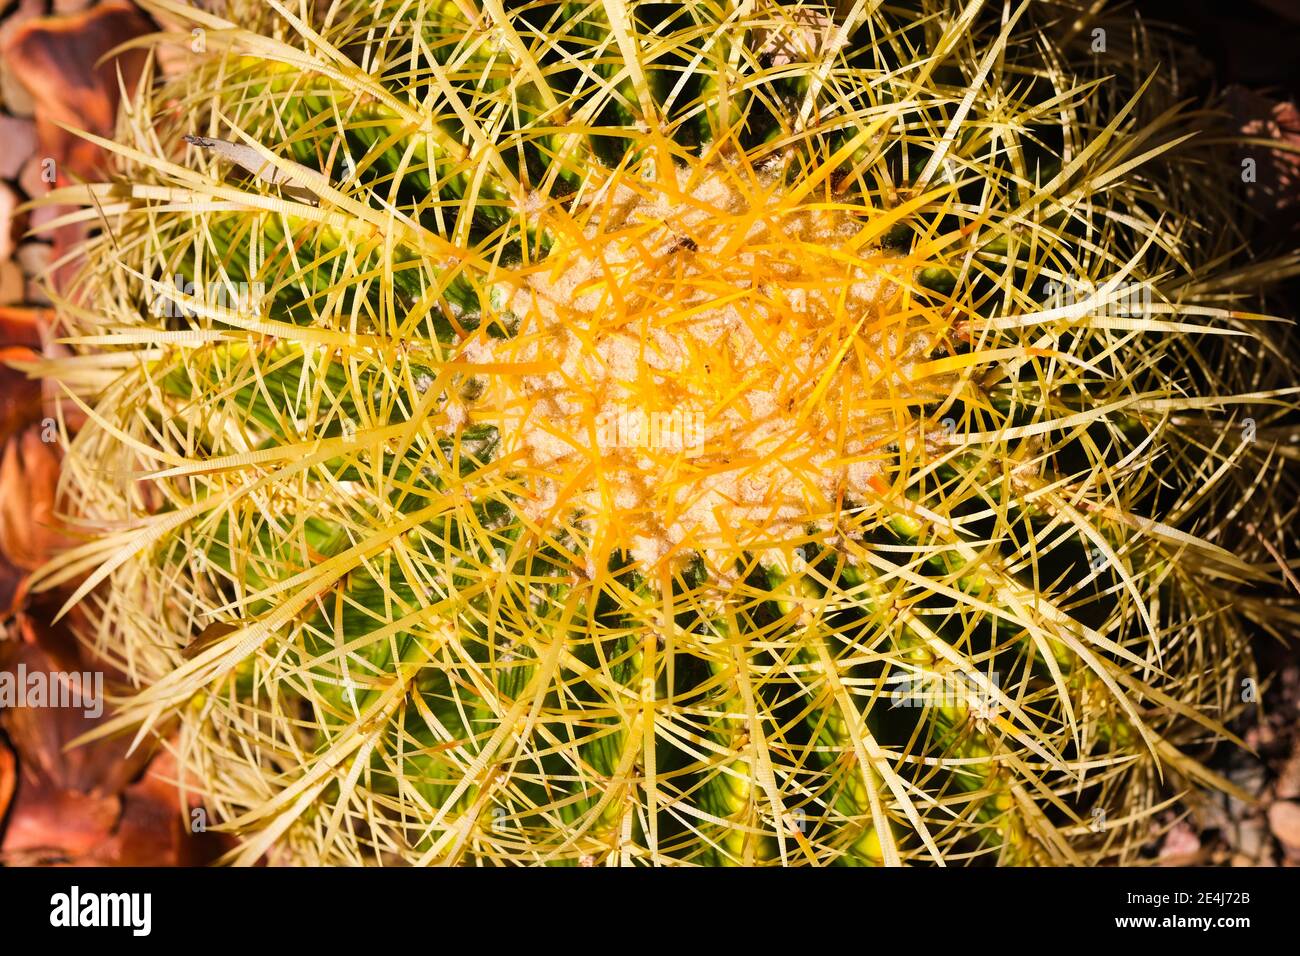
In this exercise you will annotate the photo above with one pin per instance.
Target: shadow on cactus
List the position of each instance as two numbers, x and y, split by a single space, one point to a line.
561 433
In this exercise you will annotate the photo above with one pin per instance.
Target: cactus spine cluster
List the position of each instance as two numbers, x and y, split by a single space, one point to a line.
704 433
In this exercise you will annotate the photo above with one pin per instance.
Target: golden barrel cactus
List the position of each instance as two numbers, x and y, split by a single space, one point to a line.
711 433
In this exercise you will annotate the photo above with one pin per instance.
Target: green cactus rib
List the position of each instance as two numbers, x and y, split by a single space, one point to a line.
963 567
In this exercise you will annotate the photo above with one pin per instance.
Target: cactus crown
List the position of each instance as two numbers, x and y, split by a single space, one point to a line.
706 366
688 432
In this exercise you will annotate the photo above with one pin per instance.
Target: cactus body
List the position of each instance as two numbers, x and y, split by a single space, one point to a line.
758 434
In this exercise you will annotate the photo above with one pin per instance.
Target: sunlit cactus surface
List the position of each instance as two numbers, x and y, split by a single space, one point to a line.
677 433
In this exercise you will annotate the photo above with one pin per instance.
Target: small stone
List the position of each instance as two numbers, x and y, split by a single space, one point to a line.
1250 775
1180 843
8 220
13 94
1284 821
12 284
17 143
34 259
1288 778
1252 838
